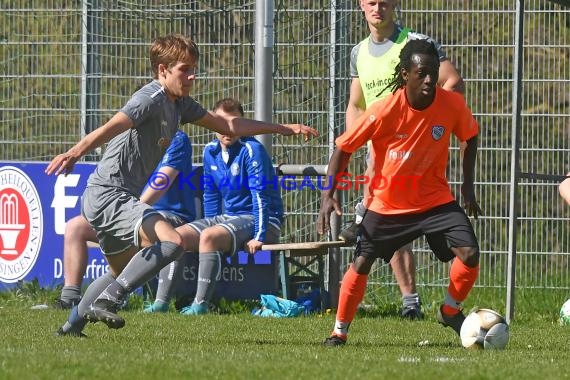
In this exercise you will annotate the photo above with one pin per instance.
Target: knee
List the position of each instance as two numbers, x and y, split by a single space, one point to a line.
211 239
362 265
469 256
176 239
78 227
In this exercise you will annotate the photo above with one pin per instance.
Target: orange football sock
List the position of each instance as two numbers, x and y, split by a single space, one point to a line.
462 279
351 293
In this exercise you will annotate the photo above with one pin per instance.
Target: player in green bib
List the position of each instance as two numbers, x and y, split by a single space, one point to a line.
372 64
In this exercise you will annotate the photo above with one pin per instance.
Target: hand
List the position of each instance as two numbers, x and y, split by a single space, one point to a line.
328 205
253 246
469 202
300 129
62 163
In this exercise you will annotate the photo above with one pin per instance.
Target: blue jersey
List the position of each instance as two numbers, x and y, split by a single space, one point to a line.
178 199
245 185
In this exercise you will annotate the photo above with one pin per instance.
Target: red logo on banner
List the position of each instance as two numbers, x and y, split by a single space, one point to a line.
14 224
20 224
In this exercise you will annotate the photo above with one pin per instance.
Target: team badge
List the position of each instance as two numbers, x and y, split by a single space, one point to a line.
437 132
163 142
21 224
234 169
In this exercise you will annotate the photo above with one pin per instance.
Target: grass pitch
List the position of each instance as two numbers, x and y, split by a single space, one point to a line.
241 346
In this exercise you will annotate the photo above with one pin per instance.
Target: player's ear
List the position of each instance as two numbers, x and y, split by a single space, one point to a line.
404 74
161 70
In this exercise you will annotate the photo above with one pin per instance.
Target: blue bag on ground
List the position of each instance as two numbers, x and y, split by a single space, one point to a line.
310 300
272 306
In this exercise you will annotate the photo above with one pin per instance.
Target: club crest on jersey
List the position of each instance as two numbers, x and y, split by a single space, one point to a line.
437 132
163 142
234 169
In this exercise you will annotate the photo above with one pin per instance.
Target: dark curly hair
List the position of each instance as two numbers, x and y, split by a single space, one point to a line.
420 46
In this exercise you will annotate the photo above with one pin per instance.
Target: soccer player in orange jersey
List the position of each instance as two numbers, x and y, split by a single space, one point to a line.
410 132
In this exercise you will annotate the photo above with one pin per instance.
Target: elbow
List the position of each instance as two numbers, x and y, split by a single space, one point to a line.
472 142
455 84
564 190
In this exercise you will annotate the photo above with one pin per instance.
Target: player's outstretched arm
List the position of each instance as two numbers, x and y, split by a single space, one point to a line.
337 163
64 163
238 126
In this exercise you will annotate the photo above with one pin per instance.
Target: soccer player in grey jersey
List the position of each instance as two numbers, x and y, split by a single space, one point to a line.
138 135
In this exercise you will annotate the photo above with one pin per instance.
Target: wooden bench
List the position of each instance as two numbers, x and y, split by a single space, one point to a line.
294 272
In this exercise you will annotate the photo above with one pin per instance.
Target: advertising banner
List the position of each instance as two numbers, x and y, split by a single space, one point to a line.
34 209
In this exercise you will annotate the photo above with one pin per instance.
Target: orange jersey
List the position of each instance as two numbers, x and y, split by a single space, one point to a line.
410 149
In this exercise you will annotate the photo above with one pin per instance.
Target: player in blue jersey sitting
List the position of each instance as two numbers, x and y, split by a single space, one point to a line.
242 206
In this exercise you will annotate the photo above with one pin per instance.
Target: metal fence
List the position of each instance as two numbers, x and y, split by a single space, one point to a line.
67 66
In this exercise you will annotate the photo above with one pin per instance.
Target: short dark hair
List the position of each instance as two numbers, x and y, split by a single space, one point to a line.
412 47
229 105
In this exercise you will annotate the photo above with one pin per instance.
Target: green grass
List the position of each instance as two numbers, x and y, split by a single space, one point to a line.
237 345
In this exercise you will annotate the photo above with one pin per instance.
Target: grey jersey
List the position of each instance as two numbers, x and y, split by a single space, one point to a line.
132 156
377 49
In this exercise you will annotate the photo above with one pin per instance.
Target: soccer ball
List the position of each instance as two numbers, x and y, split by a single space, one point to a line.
565 314
485 329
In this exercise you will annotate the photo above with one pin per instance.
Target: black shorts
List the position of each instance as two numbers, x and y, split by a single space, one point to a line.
444 227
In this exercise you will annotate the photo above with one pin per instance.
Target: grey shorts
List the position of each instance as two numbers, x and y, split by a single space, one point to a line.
116 216
241 229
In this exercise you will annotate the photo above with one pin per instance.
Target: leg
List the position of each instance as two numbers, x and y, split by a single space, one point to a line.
167 278
353 286
351 293
77 233
214 242
462 276
142 267
455 239
76 320
404 269
379 239
169 275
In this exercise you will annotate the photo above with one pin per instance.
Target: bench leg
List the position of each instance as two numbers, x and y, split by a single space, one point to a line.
284 275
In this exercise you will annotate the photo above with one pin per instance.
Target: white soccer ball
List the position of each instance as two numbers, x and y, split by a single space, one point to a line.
565 314
484 329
